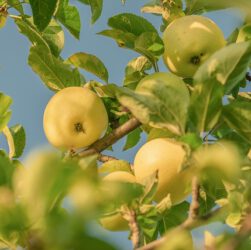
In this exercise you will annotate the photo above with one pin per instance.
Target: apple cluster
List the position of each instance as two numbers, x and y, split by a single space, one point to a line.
76 117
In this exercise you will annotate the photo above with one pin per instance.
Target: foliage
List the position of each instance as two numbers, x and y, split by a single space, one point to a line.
49 200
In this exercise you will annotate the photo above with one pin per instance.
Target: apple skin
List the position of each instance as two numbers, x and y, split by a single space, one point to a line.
75 117
167 157
189 41
147 83
117 222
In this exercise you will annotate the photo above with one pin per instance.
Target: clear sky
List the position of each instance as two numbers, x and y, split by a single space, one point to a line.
30 95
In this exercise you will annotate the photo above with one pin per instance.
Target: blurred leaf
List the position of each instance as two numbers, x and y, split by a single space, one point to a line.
89 63
69 16
16 138
17 5
193 140
165 107
174 217
6 169
96 8
54 72
115 165
159 133
5 113
132 139
238 117
43 11
151 184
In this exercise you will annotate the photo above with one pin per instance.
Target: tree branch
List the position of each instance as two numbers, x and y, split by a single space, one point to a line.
111 138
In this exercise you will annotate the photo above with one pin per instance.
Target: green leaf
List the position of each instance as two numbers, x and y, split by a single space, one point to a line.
115 165
124 39
7 169
206 105
96 8
54 36
237 115
135 71
136 33
159 133
17 5
15 136
90 63
69 16
55 73
151 42
132 139
43 11
131 23
227 66
166 106
5 113
51 39
174 216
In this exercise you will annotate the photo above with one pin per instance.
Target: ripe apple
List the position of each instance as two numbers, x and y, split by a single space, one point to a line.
167 157
147 83
189 41
75 117
116 222
222 157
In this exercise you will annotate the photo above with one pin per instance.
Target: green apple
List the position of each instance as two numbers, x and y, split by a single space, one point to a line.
116 222
166 156
75 117
189 41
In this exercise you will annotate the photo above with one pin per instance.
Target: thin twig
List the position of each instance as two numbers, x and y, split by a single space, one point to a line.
131 216
111 138
195 205
106 158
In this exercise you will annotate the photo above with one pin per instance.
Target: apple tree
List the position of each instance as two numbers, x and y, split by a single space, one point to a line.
195 166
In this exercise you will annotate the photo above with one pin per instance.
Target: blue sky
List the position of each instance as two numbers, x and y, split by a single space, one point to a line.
30 95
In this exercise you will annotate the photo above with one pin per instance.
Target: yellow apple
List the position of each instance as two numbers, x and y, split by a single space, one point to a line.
116 222
222 157
189 41
75 117
167 157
